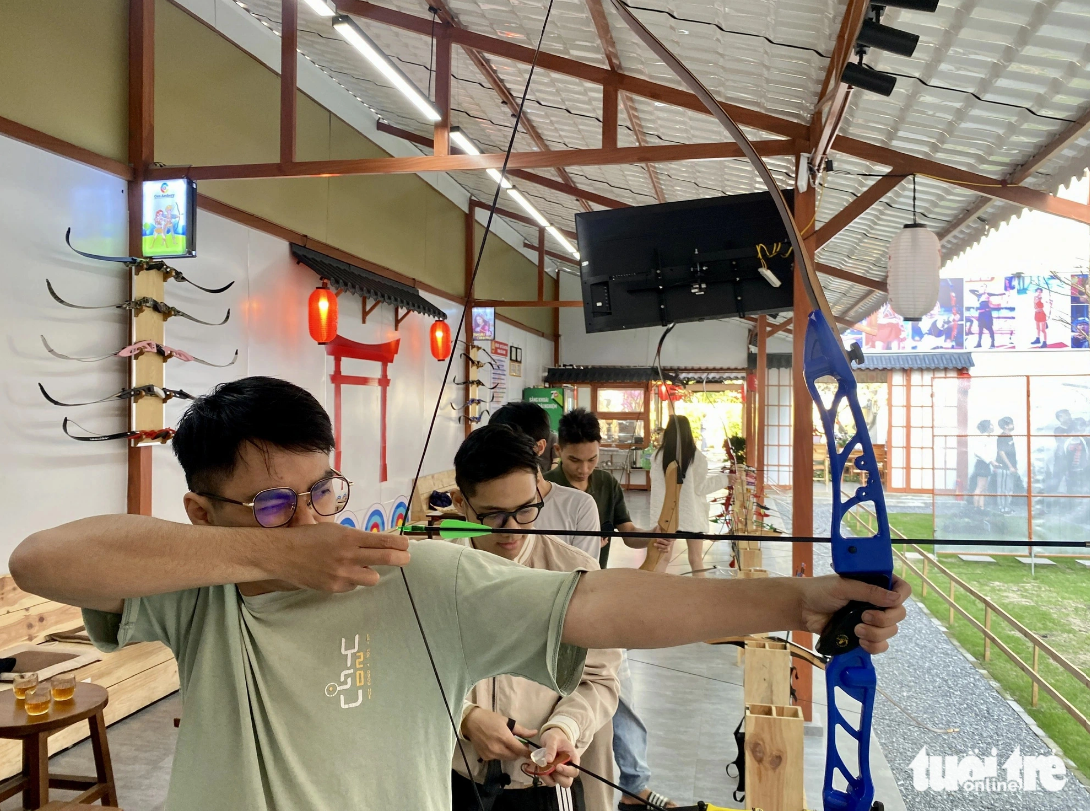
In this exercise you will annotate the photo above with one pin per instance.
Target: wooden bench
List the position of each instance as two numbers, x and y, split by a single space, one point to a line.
136 676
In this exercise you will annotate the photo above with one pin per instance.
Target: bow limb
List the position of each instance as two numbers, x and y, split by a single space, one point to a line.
851 671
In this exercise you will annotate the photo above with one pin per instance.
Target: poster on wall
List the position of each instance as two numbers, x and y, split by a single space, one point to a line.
1080 311
499 371
941 329
169 228
516 361
484 323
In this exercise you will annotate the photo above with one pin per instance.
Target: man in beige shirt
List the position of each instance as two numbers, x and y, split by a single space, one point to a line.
500 710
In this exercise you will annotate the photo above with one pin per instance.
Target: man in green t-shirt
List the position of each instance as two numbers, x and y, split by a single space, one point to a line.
580 438
305 678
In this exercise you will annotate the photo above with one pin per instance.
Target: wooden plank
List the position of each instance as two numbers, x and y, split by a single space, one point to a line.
289 67
669 153
768 673
749 574
774 757
13 598
750 559
37 138
32 624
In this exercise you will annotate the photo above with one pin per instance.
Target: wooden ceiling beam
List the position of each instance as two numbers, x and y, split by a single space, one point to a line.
835 96
490 75
521 174
979 184
559 257
855 278
507 49
667 153
847 215
613 58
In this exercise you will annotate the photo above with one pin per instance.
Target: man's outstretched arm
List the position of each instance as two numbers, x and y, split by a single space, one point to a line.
98 562
626 608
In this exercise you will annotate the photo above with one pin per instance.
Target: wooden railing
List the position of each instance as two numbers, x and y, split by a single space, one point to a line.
991 610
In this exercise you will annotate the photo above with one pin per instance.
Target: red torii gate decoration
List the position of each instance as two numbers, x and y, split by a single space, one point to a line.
341 347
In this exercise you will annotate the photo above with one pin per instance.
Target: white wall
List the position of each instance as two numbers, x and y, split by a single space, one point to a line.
48 478
720 343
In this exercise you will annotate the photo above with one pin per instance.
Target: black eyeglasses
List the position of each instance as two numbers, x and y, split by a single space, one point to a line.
526 514
276 506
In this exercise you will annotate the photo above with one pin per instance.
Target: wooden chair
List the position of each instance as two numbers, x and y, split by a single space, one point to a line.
33 731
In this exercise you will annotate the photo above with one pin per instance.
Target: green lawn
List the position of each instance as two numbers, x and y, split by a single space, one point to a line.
1054 604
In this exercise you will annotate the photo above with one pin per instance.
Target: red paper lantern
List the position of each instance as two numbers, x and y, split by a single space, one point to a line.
440 340
322 314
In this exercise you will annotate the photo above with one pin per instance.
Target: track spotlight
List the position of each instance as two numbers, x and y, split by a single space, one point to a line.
865 78
884 38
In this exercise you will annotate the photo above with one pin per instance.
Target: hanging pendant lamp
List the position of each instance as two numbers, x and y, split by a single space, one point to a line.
915 258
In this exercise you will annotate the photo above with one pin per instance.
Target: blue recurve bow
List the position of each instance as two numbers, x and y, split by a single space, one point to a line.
851 671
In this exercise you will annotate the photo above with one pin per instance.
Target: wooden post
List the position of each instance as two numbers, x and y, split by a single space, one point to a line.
759 402
541 264
987 627
802 459
148 368
289 66
1036 651
609 117
767 678
774 757
441 133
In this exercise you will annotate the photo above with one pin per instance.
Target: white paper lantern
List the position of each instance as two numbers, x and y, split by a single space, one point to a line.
914 260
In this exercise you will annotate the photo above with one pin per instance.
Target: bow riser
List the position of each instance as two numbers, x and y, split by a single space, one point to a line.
850 674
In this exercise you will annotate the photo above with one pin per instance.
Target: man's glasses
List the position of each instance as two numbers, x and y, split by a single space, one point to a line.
526 514
276 506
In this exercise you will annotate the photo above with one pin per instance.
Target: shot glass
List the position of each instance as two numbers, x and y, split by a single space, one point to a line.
24 682
37 700
63 687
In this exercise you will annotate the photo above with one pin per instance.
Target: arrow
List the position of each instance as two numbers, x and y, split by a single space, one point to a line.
454 529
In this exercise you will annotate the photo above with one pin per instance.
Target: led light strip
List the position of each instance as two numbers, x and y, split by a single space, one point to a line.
465 144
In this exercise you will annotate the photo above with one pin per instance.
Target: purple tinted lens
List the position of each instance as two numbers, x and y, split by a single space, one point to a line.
329 496
274 508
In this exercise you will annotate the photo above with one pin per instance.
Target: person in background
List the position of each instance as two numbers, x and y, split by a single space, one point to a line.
983 450
565 507
497 469
1006 464
984 319
1077 460
1040 319
580 436
693 507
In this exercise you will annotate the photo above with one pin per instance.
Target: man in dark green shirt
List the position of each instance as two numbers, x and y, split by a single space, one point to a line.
580 438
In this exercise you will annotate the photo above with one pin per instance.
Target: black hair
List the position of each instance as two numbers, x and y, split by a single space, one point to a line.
579 426
669 448
491 452
530 418
258 410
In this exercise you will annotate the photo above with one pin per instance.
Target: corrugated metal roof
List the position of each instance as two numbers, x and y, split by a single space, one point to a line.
992 83
365 283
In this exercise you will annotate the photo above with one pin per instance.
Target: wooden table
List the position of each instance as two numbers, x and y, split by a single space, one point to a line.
34 731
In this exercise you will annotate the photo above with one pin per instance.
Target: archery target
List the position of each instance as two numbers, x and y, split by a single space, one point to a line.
376 519
399 512
348 518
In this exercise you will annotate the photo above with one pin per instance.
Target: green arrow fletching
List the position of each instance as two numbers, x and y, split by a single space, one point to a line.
452 529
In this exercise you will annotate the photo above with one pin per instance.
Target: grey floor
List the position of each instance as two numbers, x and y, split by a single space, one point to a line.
691 700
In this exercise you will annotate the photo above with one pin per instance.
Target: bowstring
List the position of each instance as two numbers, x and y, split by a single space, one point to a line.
442 387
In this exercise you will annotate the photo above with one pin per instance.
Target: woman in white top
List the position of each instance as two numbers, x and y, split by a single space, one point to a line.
693 507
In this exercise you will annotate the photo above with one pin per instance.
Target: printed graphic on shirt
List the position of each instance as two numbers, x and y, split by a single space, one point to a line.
356 675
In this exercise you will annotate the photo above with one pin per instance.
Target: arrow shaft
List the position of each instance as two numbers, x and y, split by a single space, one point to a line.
707 536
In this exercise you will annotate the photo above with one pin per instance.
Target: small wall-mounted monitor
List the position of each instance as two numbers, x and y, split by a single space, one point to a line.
169 219
655 265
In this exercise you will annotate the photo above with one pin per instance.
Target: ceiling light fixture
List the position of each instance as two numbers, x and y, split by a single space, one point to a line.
465 144
354 35
322 7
